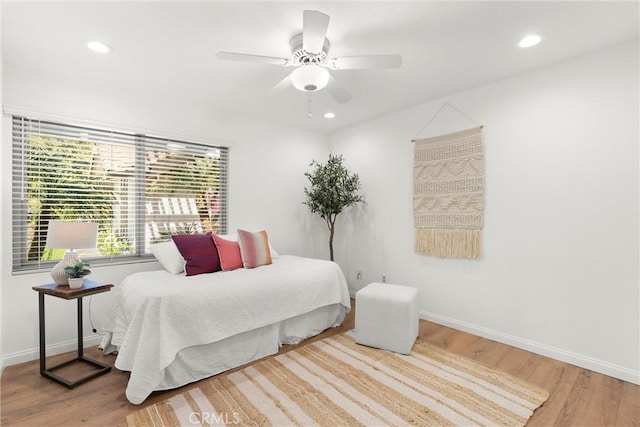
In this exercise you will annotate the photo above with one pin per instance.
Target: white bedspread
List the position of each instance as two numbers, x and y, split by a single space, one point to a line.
155 314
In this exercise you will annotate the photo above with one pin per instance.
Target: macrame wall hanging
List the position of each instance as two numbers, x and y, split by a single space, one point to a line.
448 193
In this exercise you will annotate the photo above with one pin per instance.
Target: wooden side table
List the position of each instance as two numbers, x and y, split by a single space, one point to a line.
88 288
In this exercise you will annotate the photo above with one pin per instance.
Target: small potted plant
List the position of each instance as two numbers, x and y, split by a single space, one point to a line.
76 273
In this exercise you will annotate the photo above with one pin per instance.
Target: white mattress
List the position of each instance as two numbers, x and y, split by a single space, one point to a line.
162 323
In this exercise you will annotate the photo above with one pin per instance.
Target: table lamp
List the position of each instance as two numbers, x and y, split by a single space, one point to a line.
69 235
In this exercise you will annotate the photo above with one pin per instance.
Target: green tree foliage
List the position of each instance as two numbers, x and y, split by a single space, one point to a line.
61 182
332 190
110 243
71 179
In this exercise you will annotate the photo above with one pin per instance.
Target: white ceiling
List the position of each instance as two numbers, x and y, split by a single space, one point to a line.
170 48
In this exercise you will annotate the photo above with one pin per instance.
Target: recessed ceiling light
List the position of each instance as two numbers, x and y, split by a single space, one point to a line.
329 115
98 47
530 40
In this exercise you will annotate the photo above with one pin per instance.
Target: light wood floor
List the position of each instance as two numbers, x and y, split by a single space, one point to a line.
578 397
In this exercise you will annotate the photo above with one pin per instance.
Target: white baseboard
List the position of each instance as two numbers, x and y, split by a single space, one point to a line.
52 349
563 355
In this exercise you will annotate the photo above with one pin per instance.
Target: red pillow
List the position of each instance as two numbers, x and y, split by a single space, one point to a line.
229 253
199 253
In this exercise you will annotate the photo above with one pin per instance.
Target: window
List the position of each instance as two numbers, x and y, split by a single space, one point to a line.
139 189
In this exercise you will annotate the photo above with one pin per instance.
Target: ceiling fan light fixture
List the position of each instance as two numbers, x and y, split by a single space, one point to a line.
310 78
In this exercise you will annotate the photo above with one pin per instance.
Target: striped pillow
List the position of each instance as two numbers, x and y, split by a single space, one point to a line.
254 248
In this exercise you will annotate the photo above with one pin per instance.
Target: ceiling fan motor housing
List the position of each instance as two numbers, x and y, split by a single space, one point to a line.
302 57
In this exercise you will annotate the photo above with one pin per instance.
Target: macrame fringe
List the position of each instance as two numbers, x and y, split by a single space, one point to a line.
449 243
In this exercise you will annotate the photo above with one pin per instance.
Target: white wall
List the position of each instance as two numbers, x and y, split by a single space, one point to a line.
559 274
267 165
1 198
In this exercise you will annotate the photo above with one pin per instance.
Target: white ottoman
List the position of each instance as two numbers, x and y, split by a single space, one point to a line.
387 317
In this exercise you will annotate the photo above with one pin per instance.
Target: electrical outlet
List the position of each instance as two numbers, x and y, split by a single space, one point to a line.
359 275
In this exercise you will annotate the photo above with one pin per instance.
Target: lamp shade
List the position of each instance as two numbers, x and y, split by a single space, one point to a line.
309 78
72 235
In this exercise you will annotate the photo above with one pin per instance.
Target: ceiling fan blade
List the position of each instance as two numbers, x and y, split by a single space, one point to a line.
367 61
244 57
282 85
314 30
339 93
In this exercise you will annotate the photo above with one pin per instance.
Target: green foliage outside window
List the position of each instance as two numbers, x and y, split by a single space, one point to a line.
60 184
70 179
110 243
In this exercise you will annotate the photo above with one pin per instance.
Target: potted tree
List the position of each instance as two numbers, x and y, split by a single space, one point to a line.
76 273
332 189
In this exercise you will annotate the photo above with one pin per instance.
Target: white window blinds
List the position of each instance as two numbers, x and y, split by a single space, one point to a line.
140 189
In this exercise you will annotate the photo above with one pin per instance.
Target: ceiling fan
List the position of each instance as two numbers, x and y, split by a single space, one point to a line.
310 57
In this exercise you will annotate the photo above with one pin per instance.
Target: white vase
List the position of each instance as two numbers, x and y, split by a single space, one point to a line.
75 282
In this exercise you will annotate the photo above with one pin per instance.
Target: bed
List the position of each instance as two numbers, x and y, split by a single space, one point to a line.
170 330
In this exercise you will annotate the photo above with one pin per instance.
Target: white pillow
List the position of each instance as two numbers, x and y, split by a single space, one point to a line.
274 254
234 238
168 255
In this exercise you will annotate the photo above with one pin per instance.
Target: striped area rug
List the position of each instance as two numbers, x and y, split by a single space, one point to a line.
335 382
